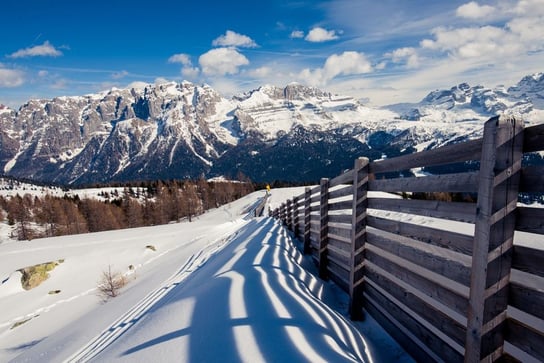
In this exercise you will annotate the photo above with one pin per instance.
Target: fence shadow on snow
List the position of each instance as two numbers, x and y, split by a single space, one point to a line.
445 295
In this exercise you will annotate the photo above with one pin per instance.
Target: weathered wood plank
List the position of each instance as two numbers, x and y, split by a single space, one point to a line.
345 178
343 205
502 151
340 243
533 139
323 221
527 299
338 257
341 192
436 317
340 232
470 150
401 246
532 179
339 267
340 218
401 334
341 249
338 239
464 212
358 236
432 341
315 199
525 338
452 240
315 208
338 275
530 220
459 182
296 217
529 260
422 283
307 220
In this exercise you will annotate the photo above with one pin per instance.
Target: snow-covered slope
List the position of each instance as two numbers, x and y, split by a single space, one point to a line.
223 288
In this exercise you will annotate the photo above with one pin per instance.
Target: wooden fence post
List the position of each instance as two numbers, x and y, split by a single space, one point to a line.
295 216
500 169
307 203
323 227
289 218
282 213
358 237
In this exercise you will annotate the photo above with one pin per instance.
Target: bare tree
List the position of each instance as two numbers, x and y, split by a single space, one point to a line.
110 284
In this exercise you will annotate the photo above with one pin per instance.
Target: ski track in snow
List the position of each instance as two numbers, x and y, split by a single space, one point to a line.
133 315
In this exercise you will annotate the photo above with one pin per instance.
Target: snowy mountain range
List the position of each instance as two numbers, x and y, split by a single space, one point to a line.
179 130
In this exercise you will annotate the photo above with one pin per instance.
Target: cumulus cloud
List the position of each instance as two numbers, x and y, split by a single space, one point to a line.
233 39
222 61
319 34
296 34
187 69
407 55
44 50
190 72
347 63
475 42
473 10
181 58
11 77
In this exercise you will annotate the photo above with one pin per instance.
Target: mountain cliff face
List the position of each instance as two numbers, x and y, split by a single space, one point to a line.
183 130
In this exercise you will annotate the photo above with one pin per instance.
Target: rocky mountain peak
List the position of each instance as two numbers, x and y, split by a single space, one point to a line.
179 130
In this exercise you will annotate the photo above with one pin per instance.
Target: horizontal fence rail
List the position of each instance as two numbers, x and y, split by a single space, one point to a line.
444 293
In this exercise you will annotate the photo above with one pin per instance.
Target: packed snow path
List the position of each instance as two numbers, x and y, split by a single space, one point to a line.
253 302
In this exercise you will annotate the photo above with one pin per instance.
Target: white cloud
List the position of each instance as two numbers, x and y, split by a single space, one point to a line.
529 30
190 72
11 77
43 73
319 34
296 34
347 63
261 72
487 42
119 75
407 55
529 7
44 50
187 69
233 39
473 10
222 61
181 58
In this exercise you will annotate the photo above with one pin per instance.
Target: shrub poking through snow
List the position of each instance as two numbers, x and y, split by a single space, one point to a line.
35 275
21 322
110 284
151 247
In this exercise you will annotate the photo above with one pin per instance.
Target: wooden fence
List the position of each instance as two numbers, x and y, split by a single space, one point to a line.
442 294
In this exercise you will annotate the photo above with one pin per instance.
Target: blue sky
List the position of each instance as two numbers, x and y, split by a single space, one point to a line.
382 52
